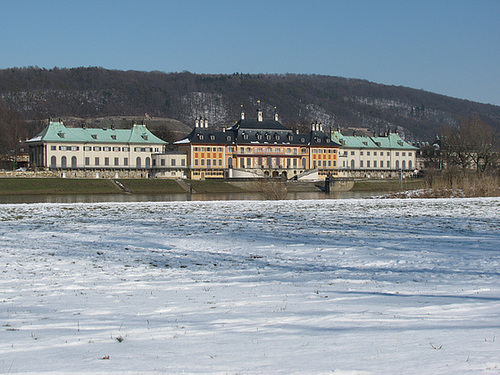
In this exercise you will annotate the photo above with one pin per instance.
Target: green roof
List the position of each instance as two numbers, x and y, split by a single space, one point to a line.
58 132
391 141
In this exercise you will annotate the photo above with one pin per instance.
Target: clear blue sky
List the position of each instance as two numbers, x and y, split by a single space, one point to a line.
451 47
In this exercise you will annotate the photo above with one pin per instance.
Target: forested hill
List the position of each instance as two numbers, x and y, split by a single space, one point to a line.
96 92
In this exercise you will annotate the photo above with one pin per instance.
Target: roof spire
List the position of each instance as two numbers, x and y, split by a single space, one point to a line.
259 112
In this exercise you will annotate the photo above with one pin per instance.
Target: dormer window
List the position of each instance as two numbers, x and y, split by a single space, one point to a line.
259 136
228 138
94 136
212 137
145 137
245 136
113 137
277 137
290 137
365 143
61 135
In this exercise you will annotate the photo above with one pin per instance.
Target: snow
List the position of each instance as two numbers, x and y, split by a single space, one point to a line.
355 286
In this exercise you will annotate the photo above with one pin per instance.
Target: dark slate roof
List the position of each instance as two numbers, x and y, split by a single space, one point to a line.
265 124
257 135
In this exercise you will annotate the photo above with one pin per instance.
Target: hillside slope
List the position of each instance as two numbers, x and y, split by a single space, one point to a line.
96 92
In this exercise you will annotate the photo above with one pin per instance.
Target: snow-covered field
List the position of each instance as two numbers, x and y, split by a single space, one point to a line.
368 286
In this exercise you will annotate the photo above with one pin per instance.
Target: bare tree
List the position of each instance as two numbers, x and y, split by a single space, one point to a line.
472 144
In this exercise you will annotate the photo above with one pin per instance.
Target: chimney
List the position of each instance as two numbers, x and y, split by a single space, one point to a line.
197 123
206 122
275 115
242 113
259 112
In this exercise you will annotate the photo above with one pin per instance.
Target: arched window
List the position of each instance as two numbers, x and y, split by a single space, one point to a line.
409 164
397 164
353 164
53 163
304 163
138 162
404 164
230 162
148 163
63 162
73 162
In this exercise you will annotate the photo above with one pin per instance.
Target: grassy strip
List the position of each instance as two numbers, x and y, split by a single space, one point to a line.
25 186
152 186
388 185
214 186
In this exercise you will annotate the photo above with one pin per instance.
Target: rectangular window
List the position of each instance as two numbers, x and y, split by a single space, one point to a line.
183 162
374 164
125 161
97 148
403 154
368 153
202 161
117 161
53 148
87 148
361 164
87 161
374 153
397 153
361 152
368 164
162 162
106 148
196 162
381 164
352 152
116 148
106 161
96 161
126 149
172 162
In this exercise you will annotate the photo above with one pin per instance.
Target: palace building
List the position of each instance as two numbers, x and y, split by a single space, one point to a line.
257 148
378 156
85 152
251 148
